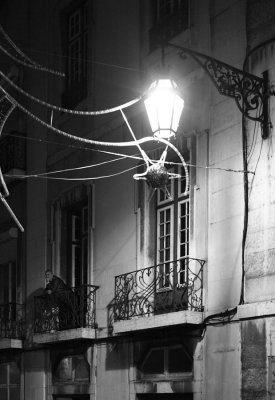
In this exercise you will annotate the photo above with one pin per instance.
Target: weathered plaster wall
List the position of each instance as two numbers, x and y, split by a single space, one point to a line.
260 244
254 360
226 205
222 377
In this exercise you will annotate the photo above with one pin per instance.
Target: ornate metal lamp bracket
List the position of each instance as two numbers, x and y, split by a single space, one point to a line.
250 92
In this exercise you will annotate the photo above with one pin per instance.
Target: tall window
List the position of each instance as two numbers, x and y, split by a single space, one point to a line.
77 54
169 18
72 224
173 232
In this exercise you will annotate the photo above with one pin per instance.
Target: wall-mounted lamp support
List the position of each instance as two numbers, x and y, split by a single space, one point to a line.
250 92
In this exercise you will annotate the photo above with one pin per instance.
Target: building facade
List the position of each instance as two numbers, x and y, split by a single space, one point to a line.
169 292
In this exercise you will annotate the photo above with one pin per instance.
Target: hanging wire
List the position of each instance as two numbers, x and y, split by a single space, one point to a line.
70 179
88 60
122 155
60 171
256 166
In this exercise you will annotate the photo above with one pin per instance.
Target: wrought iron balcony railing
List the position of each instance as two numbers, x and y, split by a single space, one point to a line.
63 310
12 321
163 288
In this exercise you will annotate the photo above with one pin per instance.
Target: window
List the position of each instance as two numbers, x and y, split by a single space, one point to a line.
77 54
9 380
166 362
173 232
74 368
72 224
169 18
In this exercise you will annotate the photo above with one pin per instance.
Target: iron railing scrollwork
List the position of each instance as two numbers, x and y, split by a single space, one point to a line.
12 321
171 286
70 309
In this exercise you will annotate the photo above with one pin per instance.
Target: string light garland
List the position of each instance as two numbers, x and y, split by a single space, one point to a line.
66 110
6 108
24 59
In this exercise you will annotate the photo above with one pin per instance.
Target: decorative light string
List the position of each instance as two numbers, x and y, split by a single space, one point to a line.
6 108
66 110
27 61
23 55
84 140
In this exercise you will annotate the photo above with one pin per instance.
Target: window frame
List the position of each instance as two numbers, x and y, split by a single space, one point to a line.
174 203
83 194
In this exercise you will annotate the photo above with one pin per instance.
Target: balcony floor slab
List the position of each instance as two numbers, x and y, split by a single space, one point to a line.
70 334
158 321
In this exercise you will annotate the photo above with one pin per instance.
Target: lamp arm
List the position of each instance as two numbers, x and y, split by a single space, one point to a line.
249 91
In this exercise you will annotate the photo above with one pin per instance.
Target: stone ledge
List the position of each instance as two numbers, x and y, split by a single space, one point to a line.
158 321
255 310
70 334
11 344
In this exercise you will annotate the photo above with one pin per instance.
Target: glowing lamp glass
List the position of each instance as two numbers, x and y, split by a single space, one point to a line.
164 107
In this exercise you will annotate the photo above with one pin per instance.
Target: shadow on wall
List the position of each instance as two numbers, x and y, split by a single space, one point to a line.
116 353
110 316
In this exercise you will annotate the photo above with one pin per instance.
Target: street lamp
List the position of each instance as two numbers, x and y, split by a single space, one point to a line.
250 92
164 107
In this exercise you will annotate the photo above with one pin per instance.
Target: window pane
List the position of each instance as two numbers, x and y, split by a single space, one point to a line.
3 375
3 394
154 364
14 393
14 374
82 369
85 220
74 24
63 371
75 227
179 361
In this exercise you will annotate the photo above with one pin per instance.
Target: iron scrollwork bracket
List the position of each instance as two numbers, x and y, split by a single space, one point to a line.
250 92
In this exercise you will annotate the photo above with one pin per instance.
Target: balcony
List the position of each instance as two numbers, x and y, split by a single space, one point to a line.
12 325
158 296
66 315
13 155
